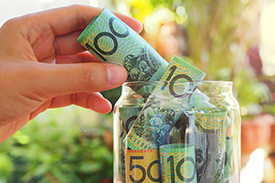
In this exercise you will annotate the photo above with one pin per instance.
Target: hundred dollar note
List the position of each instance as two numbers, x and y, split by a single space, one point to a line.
111 40
165 105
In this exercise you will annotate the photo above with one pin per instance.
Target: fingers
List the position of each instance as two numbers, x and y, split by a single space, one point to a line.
94 101
77 17
62 79
82 57
54 32
68 32
67 44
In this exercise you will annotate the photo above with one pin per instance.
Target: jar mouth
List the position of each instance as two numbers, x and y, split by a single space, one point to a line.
205 82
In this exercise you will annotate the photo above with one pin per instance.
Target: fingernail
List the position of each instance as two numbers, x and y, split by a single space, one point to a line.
116 74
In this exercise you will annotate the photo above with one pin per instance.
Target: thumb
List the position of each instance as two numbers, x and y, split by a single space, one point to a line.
62 79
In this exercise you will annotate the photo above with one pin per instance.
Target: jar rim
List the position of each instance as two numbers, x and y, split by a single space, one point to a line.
205 82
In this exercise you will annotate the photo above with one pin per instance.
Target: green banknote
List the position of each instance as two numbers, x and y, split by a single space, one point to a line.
205 156
178 163
210 143
179 133
111 40
165 105
127 116
228 159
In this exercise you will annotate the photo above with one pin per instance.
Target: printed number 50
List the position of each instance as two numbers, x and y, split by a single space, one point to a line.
142 169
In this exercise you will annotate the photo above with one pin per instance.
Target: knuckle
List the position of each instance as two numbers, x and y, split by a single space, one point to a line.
12 23
90 77
80 21
84 75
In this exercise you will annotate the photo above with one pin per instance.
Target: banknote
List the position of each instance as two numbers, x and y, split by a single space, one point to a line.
205 156
210 143
178 134
183 130
127 116
111 40
178 163
228 159
165 105
142 166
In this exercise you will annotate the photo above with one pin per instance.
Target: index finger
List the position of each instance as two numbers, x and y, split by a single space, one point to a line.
69 19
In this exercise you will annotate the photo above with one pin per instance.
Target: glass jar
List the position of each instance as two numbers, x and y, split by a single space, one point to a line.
177 132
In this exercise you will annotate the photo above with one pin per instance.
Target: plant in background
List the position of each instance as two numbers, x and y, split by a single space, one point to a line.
214 36
211 29
52 148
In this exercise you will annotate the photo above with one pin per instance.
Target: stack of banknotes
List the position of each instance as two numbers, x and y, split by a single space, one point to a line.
177 135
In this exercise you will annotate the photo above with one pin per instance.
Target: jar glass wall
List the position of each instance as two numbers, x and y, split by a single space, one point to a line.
189 132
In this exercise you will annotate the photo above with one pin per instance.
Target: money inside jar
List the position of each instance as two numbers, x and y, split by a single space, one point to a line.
146 154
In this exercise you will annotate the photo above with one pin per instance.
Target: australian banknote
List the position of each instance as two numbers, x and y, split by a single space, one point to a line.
178 163
228 159
127 116
111 40
165 105
210 143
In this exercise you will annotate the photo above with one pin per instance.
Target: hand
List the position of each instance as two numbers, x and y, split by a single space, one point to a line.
42 66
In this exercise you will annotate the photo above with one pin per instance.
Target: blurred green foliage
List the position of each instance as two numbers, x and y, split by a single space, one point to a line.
52 148
251 91
211 27
219 35
112 95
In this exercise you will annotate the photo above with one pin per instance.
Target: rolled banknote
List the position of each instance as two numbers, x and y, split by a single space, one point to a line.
127 116
205 156
228 159
178 134
142 166
211 138
165 105
111 40
178 163
183 130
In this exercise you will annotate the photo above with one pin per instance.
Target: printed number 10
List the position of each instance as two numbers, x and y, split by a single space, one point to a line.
170 160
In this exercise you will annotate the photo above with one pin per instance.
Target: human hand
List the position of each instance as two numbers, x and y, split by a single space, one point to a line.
42 66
